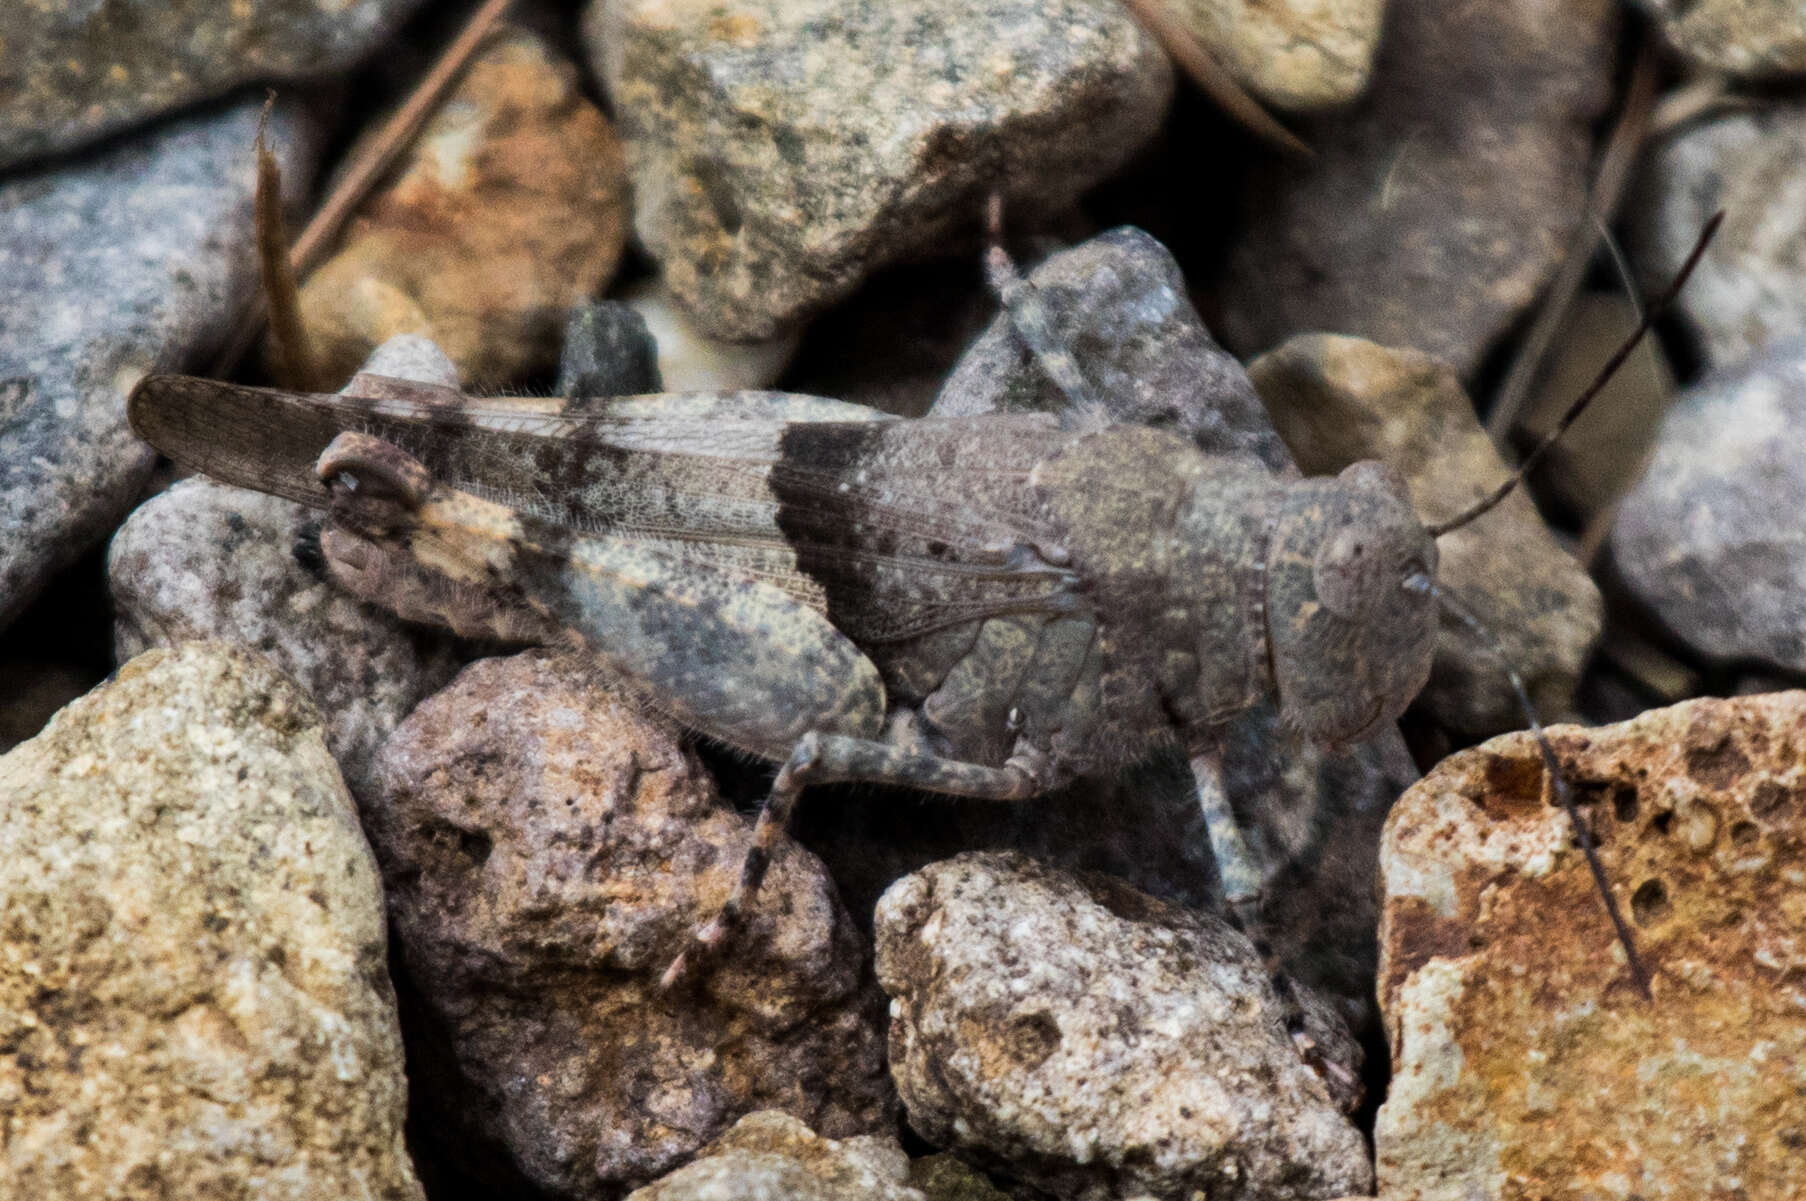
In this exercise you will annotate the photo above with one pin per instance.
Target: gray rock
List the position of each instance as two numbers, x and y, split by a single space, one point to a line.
1082 1037
1739 37
72 73
1434 212
547 851
1294 54
136 259
608 351
1750 289
193 994
770 1156
782 154
1710 539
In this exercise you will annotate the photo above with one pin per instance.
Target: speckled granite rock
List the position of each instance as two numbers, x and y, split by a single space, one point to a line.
1740 37
547 852
193 994
136 258
784 150
1077 1035
770 1156
1710 539
1337 400
204 560
1750 289
1295 54
1525 1063
510 208
1433 212
72 73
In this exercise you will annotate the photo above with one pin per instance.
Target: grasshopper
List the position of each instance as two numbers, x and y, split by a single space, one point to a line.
984 607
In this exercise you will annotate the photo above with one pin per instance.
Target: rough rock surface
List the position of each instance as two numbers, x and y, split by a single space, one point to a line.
1750 289
1710 539
547 852
767 194
1433 212
1525 1063
70 74
770 1156
194 999
1295 54
1337 400
608 351
136 258
1739 37
510 208
1089 1040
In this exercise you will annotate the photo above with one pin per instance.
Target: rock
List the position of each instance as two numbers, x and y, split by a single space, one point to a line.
1710 538
770 1156
72 74
1074 1034
691 361
193 995
782 153
207 561
510 208
1739 37
547 852
1433 213
608 351
1297 54
946 1177
1118 303
138 257
1750 289
1525 1064
1338 400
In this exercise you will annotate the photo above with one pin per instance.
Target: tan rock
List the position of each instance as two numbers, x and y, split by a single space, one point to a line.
510 208
1294 54
1740 37
194 999
1525 1064
770 1156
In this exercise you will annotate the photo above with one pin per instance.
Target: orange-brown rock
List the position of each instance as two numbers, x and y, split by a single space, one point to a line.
1526 1064
510 208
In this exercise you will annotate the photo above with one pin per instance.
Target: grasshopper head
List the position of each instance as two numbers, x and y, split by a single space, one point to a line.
1351 623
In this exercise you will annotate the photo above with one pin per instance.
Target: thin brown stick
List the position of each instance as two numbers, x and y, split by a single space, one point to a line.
1183 47
280 292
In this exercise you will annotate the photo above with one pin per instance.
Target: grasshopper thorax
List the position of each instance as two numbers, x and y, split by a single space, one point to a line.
1350 619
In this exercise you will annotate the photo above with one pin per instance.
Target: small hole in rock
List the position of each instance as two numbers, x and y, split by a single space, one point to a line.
1744 833
1624 803
1650 902
1661 821
475 846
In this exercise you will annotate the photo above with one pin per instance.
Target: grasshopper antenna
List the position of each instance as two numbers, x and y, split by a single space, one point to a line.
1030 320
1604 377
1559 779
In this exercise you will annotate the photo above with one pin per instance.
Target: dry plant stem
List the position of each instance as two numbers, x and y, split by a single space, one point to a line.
1204 70
1622 150
372 160
280 291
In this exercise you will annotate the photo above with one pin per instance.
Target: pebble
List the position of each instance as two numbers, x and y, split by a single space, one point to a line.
1337 400
1081 1037
510 208
1750 289
193 994
1757 38
1297 55
1710 539
73 73
770 1156
547 852
608 351
138 257
1525 1062
783 152
1432 214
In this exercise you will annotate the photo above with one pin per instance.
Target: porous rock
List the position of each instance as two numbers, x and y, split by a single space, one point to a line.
1710 538
1433 212
1525 1063
547 852
1739 37
136 258
1750 288
782 152
509 208
1295 54
70 73
1072 1033
193 994
770 1156
1338 400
